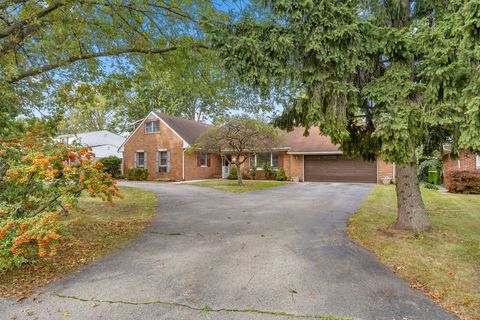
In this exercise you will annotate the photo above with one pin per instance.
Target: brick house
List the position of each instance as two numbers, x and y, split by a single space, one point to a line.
159 141
465 161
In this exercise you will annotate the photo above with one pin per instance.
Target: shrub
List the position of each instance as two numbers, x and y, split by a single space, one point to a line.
463 181
429 164
137 174
111 165
233 173
268 171
281 176
41 178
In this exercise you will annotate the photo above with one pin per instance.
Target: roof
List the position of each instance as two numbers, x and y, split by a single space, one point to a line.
188 130
96 138
314 142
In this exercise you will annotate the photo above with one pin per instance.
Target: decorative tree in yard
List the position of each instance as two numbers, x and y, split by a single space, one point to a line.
40 179
239 137
378 77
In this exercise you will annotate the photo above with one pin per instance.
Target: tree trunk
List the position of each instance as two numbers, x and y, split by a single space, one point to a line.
239 174
411 210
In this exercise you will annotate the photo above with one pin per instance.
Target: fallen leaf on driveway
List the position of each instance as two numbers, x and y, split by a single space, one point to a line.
292 291
66 314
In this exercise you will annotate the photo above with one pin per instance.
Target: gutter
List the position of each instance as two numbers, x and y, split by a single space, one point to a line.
316 152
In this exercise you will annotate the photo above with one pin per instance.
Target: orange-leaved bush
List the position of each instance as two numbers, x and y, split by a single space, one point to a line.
41 178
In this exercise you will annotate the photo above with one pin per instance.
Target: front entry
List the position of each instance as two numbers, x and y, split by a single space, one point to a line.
225 168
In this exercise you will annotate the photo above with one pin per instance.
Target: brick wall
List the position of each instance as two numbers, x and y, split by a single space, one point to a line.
260 174
150 143
293 166
384 169
194 172
464 161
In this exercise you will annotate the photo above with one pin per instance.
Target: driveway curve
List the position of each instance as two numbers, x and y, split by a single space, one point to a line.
279 253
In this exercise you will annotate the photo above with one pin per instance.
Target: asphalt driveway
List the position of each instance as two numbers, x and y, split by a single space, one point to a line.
281 250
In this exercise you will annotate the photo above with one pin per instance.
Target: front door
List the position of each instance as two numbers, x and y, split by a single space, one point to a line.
225 168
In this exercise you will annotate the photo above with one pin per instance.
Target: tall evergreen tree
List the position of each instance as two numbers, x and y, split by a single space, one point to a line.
379 77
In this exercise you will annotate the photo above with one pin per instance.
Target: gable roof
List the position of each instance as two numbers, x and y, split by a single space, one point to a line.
188 130
315 142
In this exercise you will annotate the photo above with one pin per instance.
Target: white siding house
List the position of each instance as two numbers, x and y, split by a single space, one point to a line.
103 143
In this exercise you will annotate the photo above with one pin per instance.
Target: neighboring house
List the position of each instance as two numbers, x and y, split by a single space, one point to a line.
465 161
103 143
159 143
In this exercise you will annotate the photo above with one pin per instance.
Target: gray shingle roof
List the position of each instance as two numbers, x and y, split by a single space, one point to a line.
189 130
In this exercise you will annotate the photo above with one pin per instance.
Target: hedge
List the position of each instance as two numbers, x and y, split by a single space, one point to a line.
463 181
137 174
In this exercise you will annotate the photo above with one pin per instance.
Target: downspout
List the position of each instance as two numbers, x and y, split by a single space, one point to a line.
183 164
303 168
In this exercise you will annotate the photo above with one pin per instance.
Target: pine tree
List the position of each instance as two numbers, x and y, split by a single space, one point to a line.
378 77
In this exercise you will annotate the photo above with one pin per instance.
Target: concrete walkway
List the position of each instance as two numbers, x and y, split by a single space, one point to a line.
281 250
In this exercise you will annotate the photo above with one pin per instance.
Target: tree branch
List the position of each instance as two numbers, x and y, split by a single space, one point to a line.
87 56
20 24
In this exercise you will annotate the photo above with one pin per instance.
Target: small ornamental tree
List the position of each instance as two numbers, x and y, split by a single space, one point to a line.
381 78
239 137
39 180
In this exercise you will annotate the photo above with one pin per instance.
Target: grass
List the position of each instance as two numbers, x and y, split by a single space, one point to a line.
443 262
232 185
96 231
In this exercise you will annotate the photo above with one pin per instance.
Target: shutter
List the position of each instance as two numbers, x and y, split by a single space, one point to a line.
198 159
208 160
145 161
168 161
135 160
157 169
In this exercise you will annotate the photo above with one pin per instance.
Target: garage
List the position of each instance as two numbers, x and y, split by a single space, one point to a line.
338 168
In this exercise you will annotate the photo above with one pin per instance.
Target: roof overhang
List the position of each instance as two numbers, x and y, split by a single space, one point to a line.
316 152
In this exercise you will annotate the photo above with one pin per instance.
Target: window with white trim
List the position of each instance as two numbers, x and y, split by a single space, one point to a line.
260 159
152 126
162 161
478 160
203 160
140 159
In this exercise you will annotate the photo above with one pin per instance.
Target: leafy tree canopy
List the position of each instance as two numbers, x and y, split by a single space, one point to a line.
379 77
44 44
375 76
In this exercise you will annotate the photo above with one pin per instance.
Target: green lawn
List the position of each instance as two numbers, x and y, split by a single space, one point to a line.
96 231
443 262
232 185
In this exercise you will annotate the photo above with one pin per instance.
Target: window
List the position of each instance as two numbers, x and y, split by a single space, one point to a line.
203 160
163 161
263 159
260 159
478 161
152 126
275 160
140 159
